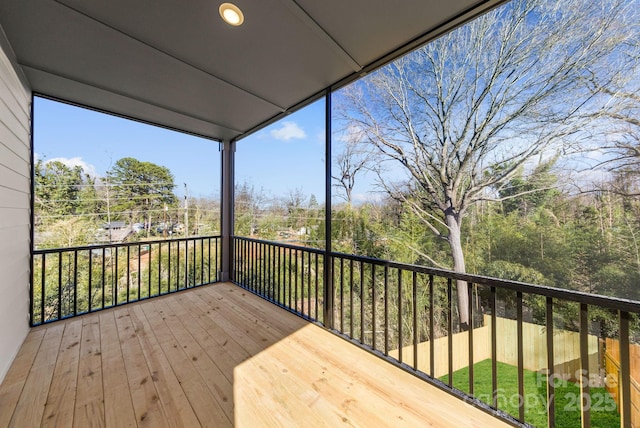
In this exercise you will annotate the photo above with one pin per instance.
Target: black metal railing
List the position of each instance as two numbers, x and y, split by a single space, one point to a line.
72 281
287 275
525 350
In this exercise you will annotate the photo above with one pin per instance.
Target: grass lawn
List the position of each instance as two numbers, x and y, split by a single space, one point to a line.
603 408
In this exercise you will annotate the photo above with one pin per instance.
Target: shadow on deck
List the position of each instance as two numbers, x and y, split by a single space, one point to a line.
212 356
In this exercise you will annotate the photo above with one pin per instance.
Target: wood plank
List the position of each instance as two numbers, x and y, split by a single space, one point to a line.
172 398
228 317
58 411
144 395
13 383
89 406
202 401
402 390
118 406
214 356
228 349
221 387
30 408
253 306
268 392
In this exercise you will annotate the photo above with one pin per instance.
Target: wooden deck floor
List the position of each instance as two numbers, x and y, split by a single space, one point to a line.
212 356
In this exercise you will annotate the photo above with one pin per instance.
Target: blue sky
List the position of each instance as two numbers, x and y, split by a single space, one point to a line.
282 158
96 141
286 156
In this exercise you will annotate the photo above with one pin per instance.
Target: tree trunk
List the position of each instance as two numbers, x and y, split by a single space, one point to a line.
455 244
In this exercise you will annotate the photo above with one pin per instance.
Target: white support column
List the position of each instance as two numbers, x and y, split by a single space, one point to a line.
227 185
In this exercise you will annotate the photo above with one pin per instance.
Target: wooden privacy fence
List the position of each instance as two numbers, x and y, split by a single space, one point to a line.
612 368
566 346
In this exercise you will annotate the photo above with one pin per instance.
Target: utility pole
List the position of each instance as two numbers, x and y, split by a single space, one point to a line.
164 227
186 211
108 209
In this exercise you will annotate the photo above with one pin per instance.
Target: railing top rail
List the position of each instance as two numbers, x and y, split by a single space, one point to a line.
119 245
281 244
614 303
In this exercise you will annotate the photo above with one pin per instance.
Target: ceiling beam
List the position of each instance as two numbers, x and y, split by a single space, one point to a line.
311 23
27 67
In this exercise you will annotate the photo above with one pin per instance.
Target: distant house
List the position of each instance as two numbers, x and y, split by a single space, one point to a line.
113 232
114 225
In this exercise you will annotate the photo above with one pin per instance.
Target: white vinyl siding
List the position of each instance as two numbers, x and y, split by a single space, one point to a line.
15 165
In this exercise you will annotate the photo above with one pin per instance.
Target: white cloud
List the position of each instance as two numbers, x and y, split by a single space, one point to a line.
77 161
288 131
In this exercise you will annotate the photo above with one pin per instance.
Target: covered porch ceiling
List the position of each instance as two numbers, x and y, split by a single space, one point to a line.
178 65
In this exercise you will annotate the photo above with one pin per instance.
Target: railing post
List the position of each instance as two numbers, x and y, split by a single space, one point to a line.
327 277
226 210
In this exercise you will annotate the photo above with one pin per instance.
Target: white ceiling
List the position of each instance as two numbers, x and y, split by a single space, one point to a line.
175 63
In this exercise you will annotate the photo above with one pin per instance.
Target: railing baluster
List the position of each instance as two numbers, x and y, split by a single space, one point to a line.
317 317
114 281
431 328
450 330
625 371
274 294
341 295
494 350
149 258
255 269
43 288
309 294
415 320
470 335
193 264
400 338
386 310
104 267
128 271
260 260
584 366
295 285
186 262
362 298
374 299
202 261
519 327
75 282
351 297
169 266
59 285
290 281
32 292
217 260
90 279
551 412
160 269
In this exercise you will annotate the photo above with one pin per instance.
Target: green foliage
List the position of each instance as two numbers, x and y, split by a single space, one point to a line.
141 190
525 194
60 190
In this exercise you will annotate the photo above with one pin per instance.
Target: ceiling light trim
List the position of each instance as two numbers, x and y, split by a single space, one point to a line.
231 14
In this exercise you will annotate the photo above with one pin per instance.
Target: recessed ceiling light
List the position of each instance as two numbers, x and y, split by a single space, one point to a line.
231 14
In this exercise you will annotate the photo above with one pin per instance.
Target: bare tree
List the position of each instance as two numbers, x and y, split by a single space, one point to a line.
464 113
354 159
